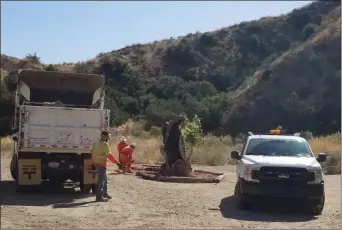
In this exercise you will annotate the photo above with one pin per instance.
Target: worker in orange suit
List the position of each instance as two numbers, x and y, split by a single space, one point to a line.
122 144
100 153
126 157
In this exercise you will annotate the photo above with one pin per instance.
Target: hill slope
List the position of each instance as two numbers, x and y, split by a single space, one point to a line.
276 70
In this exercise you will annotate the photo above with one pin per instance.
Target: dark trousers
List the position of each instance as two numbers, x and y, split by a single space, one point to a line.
101 186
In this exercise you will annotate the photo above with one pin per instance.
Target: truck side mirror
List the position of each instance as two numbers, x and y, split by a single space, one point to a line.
321 157
235 155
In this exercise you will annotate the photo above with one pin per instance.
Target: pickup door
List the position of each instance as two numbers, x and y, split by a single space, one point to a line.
60 129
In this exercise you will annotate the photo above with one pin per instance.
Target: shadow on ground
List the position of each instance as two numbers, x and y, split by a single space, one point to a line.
268 211
43 195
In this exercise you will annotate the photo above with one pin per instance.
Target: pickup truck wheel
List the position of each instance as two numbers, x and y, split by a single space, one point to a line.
316 209
14 167
242 203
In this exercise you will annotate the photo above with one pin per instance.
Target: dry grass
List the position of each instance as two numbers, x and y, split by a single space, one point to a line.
147 149
331 145
212 151
6 147
216 150
148 143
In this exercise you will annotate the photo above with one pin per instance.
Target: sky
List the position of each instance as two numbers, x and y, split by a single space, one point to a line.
72 31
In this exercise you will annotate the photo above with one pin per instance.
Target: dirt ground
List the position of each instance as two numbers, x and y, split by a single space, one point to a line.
139 203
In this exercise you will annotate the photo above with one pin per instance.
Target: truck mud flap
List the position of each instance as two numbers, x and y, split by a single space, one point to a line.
29 172
89 176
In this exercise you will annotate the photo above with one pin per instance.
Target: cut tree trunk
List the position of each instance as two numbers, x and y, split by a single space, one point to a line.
175 162
179 169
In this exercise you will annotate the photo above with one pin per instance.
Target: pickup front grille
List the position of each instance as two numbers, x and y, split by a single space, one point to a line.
283 175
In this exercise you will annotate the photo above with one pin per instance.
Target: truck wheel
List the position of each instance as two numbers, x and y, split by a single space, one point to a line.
242 203
316 209
14 167
57 183
27 188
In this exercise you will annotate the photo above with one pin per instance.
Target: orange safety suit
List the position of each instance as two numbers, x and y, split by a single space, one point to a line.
126 156
100 153
121 146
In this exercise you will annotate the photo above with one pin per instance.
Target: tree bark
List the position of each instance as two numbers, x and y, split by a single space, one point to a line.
176 164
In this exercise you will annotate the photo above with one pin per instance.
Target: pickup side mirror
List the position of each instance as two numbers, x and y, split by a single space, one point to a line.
321 157
15 138
235 155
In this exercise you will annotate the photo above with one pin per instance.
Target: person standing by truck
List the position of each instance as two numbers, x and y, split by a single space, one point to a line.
100 153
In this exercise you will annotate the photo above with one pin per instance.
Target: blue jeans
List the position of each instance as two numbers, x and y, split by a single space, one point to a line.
101 186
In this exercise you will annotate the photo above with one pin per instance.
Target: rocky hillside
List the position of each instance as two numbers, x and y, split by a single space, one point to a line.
251 76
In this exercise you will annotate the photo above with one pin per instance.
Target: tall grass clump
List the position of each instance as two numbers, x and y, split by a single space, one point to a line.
330 145
6 147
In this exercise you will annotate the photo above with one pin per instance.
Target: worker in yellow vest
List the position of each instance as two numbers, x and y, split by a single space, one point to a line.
100 152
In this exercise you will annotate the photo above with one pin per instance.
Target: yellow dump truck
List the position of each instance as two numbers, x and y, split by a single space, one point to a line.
57 118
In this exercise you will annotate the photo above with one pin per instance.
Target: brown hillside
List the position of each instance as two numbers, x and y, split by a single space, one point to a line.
266 69
308 75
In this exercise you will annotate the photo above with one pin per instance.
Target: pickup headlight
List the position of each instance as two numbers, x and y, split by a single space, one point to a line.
318 176
248 173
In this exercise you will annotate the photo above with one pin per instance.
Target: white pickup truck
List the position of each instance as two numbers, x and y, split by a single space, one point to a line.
279 166
57 118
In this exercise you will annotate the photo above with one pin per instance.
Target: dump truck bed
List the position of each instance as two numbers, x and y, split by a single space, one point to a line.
60 129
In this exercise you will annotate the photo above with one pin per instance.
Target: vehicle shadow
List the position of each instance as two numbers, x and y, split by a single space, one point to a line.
43 195
267 211
73 205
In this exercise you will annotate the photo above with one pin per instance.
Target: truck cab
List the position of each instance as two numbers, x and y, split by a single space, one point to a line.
57 118
279 166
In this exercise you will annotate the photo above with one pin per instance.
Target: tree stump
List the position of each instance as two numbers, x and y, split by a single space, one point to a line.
179 169
173 150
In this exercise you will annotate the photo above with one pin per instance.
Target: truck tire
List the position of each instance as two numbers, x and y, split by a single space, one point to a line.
27 188
56 183
316 209
240 198
14 167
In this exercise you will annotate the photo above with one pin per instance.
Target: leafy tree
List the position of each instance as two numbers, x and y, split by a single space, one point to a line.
192 133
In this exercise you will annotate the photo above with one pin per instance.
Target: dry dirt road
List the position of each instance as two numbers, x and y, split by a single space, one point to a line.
139 203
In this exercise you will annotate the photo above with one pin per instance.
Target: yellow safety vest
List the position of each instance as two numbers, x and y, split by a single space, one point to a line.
100 152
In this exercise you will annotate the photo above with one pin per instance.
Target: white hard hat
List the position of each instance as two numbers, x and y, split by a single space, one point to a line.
133 145
122 138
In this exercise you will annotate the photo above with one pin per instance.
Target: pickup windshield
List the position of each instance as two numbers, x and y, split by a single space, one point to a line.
277 147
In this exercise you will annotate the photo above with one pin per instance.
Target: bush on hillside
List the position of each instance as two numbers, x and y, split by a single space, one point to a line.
34 58
51 68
